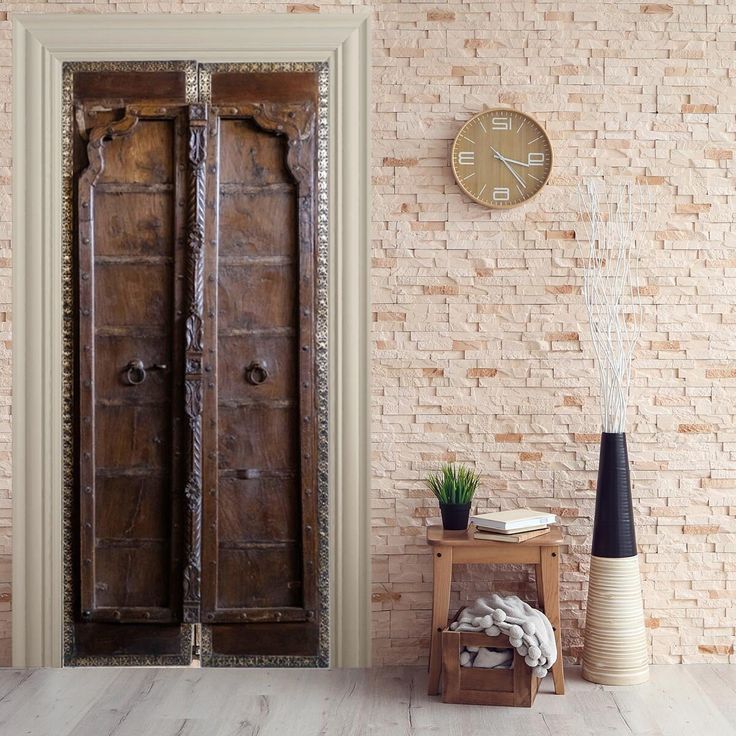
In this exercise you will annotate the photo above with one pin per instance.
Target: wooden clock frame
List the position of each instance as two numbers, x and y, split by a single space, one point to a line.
483 203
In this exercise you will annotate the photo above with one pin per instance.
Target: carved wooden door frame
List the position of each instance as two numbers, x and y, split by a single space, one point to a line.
41 45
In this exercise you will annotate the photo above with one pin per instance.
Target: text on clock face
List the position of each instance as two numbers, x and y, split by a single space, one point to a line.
467 158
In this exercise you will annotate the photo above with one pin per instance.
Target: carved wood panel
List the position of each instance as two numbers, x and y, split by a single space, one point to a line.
127 419
257 440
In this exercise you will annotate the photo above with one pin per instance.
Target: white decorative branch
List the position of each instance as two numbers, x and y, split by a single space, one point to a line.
612 220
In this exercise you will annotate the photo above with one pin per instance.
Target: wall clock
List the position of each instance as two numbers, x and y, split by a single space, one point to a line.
501 158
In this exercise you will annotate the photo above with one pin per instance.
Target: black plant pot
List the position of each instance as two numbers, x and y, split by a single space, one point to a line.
455 516
613 529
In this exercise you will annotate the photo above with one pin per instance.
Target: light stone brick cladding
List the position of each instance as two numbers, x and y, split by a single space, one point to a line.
480 345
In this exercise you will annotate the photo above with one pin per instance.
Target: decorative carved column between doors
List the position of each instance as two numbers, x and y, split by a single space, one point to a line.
193 360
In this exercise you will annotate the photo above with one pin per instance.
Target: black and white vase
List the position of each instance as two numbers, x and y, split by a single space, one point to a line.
615 650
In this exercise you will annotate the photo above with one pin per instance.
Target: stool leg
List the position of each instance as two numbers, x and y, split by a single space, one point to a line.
540 584
442 566
548 572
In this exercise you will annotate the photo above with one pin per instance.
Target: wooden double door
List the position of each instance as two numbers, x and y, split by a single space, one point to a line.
195 393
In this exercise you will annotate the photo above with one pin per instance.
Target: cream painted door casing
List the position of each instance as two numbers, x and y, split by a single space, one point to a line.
41 45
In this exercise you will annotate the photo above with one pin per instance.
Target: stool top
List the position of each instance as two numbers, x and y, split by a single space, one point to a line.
437 535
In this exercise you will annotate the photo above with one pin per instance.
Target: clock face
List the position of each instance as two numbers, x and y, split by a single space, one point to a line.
501 158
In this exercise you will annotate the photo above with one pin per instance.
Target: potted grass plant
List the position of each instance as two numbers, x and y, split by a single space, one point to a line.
454 487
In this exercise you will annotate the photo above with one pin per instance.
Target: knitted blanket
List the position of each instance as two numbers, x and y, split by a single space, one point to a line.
528 629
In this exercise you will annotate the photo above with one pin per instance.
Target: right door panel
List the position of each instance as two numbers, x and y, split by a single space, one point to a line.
258 432
260 471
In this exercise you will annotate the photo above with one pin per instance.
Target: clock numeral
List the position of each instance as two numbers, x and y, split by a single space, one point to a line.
501 194
467 158
501 123
535 159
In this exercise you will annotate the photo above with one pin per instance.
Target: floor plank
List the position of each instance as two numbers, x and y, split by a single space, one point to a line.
678 704
52 701
679 700
108 714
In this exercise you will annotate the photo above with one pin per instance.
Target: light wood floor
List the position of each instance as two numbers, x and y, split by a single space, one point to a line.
692 700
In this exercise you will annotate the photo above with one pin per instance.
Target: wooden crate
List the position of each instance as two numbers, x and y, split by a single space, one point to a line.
516 686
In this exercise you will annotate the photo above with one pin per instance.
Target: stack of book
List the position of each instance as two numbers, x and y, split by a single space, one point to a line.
516 525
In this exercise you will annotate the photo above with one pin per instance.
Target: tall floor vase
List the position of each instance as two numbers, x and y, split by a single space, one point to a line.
615 649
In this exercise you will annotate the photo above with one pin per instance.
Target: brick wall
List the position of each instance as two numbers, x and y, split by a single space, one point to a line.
481 350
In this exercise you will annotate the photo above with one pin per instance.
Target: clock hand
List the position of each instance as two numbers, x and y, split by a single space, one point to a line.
503 161
500 156
514 161
516 176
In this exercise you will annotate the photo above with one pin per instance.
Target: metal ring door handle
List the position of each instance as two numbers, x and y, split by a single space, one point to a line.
256 373
135 371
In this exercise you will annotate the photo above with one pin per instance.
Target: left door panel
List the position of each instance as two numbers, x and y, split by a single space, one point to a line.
130 226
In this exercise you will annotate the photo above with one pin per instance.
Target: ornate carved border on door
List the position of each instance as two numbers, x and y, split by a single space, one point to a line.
198 88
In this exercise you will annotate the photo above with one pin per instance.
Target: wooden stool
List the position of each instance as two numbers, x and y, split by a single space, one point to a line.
462 548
